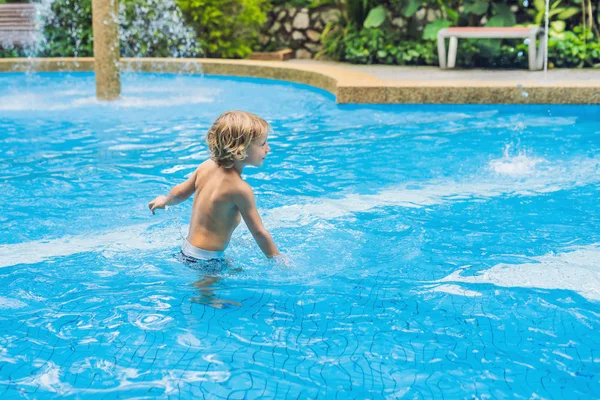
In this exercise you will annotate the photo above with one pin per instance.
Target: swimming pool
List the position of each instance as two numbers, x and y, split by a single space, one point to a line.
435 251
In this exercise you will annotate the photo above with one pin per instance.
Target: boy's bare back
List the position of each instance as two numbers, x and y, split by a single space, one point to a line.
214 212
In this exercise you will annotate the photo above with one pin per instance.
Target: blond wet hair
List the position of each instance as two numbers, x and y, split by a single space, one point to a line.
231 134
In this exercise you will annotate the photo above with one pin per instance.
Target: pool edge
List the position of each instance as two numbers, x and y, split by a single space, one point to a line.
349 87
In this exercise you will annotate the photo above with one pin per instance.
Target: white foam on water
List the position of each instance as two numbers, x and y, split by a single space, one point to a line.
520 178
10 303
552 178
519 165
577 270
134 237
143 102
41 102
455 289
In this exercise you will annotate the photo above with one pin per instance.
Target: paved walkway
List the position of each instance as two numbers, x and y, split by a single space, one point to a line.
398 73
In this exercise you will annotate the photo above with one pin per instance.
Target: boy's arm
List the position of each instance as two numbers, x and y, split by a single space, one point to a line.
244 200
178 194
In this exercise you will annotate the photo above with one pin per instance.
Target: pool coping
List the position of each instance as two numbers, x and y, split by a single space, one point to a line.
346 85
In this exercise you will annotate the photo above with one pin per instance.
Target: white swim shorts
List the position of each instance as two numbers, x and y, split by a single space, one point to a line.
192 251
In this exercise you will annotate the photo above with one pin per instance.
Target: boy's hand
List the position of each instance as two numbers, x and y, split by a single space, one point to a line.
159 202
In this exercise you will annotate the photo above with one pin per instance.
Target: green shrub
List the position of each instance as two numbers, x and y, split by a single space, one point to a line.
226 28
302 3
574 49
375 46
146 30
68 29
378 46
155 28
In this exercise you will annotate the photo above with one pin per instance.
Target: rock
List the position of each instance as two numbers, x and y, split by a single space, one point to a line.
298 36
313 47
287 26
275 27
264 39
331 15
420 15
303 54
281 15
399 22
318 25
301 21
432 15
314 36
292 11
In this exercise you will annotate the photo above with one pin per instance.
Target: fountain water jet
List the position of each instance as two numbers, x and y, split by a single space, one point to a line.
105 22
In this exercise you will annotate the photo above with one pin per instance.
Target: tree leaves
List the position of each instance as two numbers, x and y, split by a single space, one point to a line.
376 17
477 7
431 30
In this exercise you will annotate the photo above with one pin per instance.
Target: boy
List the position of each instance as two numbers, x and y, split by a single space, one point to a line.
237 139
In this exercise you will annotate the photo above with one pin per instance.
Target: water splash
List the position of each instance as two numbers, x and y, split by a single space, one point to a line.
519 165
150 28
155 28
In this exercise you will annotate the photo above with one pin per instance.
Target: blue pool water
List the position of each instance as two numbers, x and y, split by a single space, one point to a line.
434 251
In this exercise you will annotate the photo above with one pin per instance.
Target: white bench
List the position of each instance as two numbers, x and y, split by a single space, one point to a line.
536 56
17 24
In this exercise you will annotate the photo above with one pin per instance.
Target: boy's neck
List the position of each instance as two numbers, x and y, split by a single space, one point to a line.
238 167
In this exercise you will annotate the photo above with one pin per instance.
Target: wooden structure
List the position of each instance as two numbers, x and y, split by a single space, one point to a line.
17 25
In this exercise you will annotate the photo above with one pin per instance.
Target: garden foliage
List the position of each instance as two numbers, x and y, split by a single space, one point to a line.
226 28
400 32
156 28
367 33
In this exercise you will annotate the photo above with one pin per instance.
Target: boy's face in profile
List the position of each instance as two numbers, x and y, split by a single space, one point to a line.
257 151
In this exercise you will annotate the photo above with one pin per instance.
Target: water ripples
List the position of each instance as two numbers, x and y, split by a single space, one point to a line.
431 251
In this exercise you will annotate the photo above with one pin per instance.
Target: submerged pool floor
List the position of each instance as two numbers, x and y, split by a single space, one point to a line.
434 251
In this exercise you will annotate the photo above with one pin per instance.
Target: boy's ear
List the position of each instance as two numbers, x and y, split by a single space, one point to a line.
239 154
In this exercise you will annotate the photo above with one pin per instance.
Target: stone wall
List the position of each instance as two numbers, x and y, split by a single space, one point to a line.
297 28
300 28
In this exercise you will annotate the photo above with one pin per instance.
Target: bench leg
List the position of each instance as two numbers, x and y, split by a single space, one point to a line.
442 51
541 55
532 53
452 52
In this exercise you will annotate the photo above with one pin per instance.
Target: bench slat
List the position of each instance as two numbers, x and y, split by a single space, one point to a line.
489 33
4 28
20 20
17 24
14 6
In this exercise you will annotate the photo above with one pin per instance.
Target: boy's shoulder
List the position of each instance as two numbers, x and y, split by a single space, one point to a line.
240 187
207 165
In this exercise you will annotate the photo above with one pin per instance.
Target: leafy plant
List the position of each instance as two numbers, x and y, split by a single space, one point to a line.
555 11
575 48
376 46
68 29
225 28
431 30
155 28
302 3
376 17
